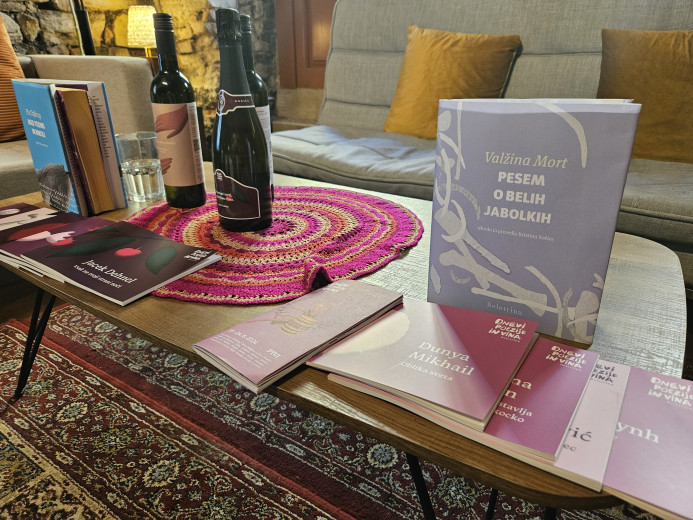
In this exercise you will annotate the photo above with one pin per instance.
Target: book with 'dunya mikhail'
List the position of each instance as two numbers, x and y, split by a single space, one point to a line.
526 196
258 352
120 262
456 362
651 461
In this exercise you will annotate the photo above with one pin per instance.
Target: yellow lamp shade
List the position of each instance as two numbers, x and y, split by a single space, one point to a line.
141 26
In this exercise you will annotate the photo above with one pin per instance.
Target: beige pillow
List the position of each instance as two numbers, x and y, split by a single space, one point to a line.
10 121
447 65
654 68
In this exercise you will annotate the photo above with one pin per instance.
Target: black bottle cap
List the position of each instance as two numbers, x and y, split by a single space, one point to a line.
228 24
163 22
246 26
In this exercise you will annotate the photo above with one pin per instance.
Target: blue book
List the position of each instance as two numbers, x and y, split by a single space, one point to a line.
54 133
42 127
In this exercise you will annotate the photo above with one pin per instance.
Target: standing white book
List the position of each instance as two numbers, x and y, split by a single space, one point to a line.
526 196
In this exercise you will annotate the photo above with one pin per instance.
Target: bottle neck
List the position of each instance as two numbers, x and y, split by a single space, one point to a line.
247 42
166 47
232 76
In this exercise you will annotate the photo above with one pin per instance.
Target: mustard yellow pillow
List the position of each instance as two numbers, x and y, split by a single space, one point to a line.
447 65
654 68
10 121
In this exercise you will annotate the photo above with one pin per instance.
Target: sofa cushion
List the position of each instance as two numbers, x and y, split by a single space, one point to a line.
17 174
10 121
371 159
660 194
447 65
655 68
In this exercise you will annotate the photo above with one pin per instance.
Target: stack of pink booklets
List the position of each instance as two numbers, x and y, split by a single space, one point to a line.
487 377
601 424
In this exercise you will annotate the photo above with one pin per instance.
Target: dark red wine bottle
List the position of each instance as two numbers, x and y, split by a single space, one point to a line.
175 121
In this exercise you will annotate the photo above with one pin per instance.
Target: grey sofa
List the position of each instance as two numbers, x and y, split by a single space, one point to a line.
561 58
127 82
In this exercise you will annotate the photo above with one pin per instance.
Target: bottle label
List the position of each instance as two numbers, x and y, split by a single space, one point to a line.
230 102
236 201
178 143
263 114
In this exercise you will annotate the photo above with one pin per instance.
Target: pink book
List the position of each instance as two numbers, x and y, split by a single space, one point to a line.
651 462
587 446
539 406
258 352
457 362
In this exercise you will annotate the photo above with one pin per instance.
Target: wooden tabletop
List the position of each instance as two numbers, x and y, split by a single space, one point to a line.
642 322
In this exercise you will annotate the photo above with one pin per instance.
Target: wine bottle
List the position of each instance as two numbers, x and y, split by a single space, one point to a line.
175 122
258 89
239 151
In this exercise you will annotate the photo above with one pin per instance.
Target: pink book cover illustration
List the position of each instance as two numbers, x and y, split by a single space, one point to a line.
20 214
651 462
539 406
455 361
59 229
120 261
258 351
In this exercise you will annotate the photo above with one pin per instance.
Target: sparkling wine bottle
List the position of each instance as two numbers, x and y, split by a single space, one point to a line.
257 88
175 121
239 151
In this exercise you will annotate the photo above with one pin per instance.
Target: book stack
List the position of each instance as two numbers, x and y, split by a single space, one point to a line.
70 134
487 377
118 261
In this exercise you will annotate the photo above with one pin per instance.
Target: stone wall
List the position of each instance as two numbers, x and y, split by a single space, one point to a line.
49 27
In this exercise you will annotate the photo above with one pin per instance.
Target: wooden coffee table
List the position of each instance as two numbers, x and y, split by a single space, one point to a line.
642 322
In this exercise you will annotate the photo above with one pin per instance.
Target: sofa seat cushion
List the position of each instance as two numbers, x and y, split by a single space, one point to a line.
369 159
17 169
658 201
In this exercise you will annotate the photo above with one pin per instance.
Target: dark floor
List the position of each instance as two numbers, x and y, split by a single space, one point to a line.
18 300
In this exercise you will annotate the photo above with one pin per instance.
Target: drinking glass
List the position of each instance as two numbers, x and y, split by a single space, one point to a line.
139 163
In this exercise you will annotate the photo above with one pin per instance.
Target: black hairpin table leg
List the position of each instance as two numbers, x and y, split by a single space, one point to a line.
421 490
39 320
491 508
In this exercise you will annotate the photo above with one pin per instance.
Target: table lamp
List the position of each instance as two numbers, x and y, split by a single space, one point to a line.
141 27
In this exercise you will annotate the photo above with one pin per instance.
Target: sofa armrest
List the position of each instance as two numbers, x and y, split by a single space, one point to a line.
127 81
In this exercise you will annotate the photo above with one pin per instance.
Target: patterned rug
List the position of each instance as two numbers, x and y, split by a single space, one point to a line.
111 426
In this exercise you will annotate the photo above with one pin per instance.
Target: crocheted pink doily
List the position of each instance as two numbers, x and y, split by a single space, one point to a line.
317 235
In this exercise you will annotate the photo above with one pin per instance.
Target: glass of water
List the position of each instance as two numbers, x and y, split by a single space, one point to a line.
139 163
